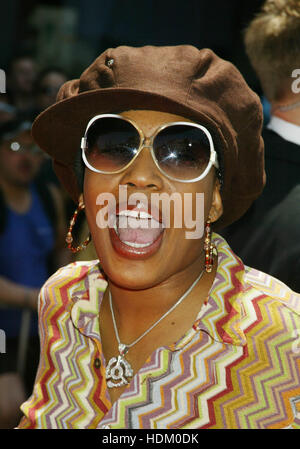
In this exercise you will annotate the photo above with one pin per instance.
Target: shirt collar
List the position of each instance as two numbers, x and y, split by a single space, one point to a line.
87 297
286 130
222 317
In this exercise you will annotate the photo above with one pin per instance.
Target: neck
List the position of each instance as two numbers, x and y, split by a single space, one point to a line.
289 115
135 310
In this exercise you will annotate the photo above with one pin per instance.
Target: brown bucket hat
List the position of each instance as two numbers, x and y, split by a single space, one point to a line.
182 80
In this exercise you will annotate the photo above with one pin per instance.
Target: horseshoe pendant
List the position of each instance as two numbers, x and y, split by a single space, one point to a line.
118 370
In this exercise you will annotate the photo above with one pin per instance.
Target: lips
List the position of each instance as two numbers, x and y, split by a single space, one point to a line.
135 232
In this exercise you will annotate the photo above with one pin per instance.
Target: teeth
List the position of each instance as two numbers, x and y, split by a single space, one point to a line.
137 220
134 214
115 227
138 245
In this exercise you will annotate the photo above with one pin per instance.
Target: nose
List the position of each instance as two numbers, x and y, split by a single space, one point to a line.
143 172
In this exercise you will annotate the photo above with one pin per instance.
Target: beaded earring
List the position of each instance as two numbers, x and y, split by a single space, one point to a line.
69 238
209 248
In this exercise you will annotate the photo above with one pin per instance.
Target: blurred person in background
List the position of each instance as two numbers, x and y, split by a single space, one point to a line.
21 78
7 111
48 84
267 237
32 229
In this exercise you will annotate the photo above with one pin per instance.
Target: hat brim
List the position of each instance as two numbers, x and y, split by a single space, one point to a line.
58 130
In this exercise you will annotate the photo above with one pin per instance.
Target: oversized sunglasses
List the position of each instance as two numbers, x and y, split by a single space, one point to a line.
182 151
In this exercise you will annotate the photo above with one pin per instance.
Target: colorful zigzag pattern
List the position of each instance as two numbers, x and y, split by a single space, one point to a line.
237 367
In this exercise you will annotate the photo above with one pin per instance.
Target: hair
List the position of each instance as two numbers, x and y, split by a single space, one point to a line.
79 167
272 42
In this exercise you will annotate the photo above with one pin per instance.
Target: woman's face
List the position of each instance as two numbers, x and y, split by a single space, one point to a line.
19 167
134 266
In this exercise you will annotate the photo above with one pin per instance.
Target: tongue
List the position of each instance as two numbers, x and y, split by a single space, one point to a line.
139 235
139 231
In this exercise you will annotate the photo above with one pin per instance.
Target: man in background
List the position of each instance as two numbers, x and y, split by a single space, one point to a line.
267 237
21 77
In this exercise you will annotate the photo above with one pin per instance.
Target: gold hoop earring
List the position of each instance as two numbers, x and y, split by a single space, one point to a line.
209 248
69 238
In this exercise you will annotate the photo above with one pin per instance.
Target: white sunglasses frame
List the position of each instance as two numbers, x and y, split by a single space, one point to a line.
213 160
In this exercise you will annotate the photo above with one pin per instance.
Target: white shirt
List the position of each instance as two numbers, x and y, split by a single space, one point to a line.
288 131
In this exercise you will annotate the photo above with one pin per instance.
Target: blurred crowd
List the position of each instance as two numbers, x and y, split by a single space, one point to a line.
267 237
34 216
34 211
28 90
33 225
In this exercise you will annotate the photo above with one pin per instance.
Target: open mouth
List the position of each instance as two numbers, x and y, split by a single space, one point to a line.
135 233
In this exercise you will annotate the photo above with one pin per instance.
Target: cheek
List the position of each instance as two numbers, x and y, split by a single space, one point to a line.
197 199
208 186
10 163
90 189
93 186
37 162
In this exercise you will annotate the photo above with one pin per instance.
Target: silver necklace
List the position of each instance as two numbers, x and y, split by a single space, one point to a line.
119 369
288 107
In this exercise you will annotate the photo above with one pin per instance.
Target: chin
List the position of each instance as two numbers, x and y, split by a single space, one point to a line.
138 269
133 277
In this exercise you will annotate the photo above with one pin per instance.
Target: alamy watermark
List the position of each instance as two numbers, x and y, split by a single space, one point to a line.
161 210
2 342
2 82
296 343
296 83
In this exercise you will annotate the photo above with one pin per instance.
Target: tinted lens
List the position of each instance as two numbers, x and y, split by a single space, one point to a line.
182 151
111 144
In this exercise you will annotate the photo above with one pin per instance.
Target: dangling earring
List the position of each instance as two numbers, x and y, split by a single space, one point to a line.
69 238
209 248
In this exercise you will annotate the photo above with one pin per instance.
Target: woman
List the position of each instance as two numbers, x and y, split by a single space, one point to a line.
31 248
172 331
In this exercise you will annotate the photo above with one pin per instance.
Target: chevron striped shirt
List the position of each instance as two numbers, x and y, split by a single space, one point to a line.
237 367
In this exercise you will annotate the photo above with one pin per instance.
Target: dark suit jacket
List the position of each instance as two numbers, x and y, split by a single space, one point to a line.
267 237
